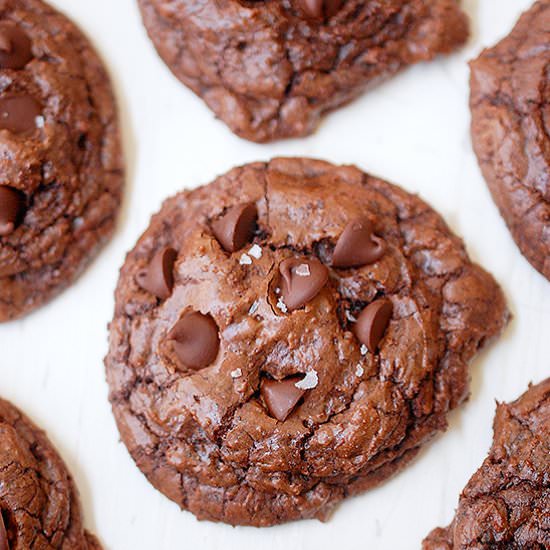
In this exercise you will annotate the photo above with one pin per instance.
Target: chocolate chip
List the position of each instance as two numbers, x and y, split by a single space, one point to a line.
4 545
158 277
236 227
18 113
195 340
373 322
281 396
15 47
320 9
12 209
302 280
358 246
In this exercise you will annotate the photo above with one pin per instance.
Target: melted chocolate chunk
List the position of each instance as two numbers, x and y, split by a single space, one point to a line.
236 227
373 322
18 113
12 209
281 396
320 9
158 277
358 246
15 47
302 280
195 340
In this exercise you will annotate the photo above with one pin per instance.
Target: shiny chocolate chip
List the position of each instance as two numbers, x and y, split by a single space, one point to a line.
281 396
158 277
358 245
372 323
15 47
195 340
18 113
4 545
12 209
302 279
236 227
320 9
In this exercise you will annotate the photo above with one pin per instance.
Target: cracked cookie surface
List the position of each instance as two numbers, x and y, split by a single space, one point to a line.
269 70
506 504
39 503
319 381
60 158
510 103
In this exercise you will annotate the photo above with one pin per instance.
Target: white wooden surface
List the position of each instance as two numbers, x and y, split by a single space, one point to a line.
412 130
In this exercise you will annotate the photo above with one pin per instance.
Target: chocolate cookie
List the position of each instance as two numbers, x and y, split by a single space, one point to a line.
39 504
271 68
510 103
506 504
60 157
290 335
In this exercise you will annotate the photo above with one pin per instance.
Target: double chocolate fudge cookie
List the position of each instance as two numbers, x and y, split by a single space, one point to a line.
506 504
60 156
271 68
39 504
510 103
290 335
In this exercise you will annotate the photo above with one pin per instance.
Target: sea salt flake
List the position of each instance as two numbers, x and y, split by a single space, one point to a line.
39 121
282 306
309 382
364 350
359 371
78 222
237 373
303 270
255 252
245 259
254 308
350 317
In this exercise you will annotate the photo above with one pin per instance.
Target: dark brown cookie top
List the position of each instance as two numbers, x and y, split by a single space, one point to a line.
39 503
510 102
60 158
265 384
271 68
506 504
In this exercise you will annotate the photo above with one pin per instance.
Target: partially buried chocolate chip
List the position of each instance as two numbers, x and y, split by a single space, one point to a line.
302 280
3 534
236 227
195 340
15 47
12 209
358 246
18 113
281 396
158 277
373 322
320 9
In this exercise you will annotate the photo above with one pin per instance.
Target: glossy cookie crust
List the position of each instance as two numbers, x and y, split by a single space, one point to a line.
506 504
264 383
60 159
271 68
510 103
39 503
